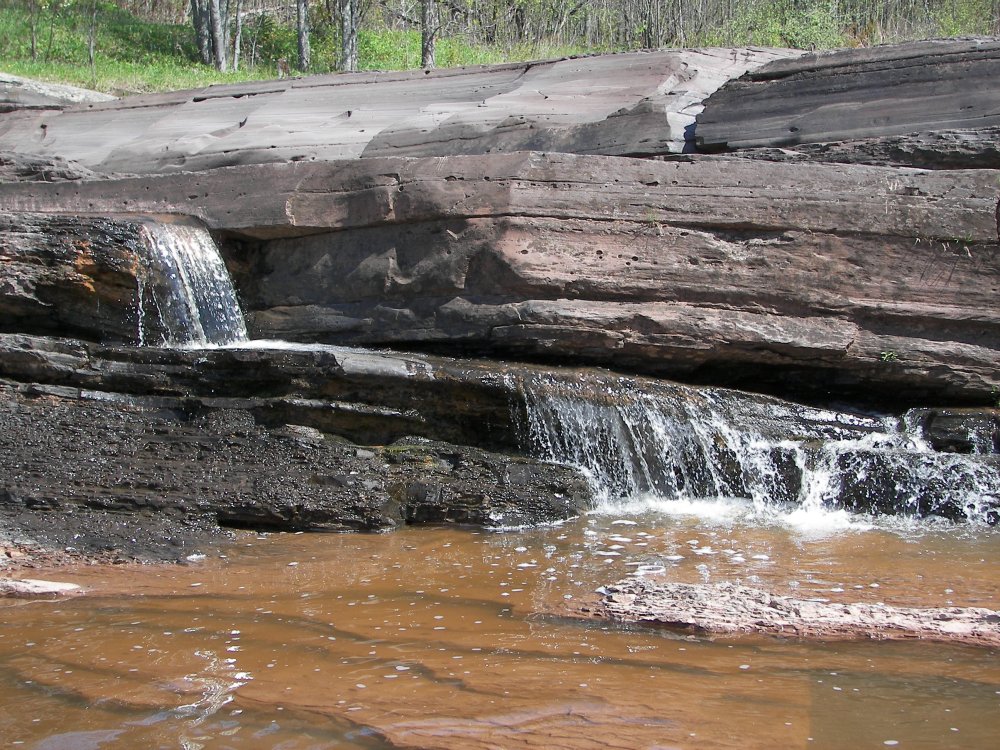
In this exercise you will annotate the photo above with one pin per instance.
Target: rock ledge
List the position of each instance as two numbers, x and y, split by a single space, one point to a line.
731 609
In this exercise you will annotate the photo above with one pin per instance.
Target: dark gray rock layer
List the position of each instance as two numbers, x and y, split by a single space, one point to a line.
846 95
166 447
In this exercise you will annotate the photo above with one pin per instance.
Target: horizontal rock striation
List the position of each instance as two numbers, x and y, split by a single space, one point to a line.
626 104
731 609
158 449
929 149
710 269
847 95
66 274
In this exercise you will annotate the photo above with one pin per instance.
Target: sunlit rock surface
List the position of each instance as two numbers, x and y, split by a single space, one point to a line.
17 93
928 104
625 104
730 609
501 211
792 278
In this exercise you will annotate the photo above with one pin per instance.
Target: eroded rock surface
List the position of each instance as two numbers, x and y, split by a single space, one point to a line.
846 95
17 93
69 274
715 270
730 609
635 103
156 478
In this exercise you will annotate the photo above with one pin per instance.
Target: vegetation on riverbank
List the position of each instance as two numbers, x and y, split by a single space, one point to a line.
127 46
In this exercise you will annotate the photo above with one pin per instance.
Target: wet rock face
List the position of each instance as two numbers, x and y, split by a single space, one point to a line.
70 275
961 430
156 482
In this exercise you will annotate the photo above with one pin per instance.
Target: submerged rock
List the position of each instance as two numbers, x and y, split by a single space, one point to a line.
732 609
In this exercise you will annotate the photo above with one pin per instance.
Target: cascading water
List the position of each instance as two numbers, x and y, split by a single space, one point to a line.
646 441
652 441
191 288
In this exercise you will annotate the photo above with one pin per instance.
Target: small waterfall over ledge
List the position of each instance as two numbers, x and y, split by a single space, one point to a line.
644 442
190 288
650 443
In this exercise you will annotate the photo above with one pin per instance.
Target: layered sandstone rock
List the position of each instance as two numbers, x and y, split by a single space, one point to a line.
865 94
710 269
636 103
149 453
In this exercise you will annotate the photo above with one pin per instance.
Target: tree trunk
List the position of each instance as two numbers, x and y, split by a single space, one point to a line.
238 41
428 32
218 36
303 32
202 29
92 39
225 15
349 35
33 17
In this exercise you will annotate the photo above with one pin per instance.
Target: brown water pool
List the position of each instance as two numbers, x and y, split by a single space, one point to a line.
452 638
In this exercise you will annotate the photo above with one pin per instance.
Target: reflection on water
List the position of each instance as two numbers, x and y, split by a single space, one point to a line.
449 638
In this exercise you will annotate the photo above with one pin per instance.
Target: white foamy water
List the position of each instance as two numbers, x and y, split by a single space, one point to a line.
191 288
725 457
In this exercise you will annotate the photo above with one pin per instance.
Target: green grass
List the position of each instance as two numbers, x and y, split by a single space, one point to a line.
130 56
134 56
122 78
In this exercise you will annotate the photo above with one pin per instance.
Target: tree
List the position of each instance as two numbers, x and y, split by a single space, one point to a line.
33 12
210 19
430 25
349 20
218 23
92 38
238 41
302 7
202 29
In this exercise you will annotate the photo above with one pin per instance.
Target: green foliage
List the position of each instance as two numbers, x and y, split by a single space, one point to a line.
967 18
803 25
136 55
889 356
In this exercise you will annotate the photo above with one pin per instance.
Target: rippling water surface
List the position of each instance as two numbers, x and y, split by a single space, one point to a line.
451 638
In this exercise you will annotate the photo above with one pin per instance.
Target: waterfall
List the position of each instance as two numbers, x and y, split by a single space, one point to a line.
652 440
191 288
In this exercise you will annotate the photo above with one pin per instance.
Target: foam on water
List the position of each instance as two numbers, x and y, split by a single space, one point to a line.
725 456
